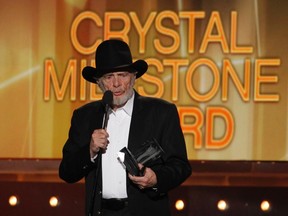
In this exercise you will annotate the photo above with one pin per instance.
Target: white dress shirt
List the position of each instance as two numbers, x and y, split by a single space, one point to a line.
113 173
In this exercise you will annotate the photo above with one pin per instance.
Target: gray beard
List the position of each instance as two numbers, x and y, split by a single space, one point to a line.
119 102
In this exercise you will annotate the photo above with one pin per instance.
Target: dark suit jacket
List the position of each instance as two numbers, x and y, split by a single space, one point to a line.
151 118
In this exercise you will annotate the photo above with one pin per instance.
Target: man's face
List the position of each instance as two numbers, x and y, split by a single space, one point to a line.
121 84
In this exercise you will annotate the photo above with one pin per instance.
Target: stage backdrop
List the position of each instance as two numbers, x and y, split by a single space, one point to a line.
223 63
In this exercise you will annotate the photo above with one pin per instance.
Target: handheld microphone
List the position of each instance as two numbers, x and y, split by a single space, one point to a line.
107 102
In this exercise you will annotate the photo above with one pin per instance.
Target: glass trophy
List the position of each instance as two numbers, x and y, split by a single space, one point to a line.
148 152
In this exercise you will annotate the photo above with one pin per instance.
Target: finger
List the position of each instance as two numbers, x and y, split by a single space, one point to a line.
104 146
100 133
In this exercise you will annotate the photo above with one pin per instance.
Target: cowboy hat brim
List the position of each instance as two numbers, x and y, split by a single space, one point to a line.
92 74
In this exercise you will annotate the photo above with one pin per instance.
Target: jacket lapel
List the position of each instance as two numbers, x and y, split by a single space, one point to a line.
137 134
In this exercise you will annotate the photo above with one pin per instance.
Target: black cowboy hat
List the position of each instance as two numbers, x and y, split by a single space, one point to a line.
113 56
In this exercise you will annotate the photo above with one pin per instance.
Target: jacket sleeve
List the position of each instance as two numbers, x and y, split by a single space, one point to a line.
76 162
175 168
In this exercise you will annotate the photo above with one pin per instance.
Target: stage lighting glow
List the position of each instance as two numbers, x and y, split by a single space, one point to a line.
179 205
13 200
54 201
265 205
222 205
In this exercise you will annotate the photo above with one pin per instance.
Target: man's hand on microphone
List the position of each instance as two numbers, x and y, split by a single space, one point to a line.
99 140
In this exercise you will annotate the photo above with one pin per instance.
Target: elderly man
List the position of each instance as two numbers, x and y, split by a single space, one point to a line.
91 149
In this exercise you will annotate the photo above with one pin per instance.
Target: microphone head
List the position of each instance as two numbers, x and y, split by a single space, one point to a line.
108 98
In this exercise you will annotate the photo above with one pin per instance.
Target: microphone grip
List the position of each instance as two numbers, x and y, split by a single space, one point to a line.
105 120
